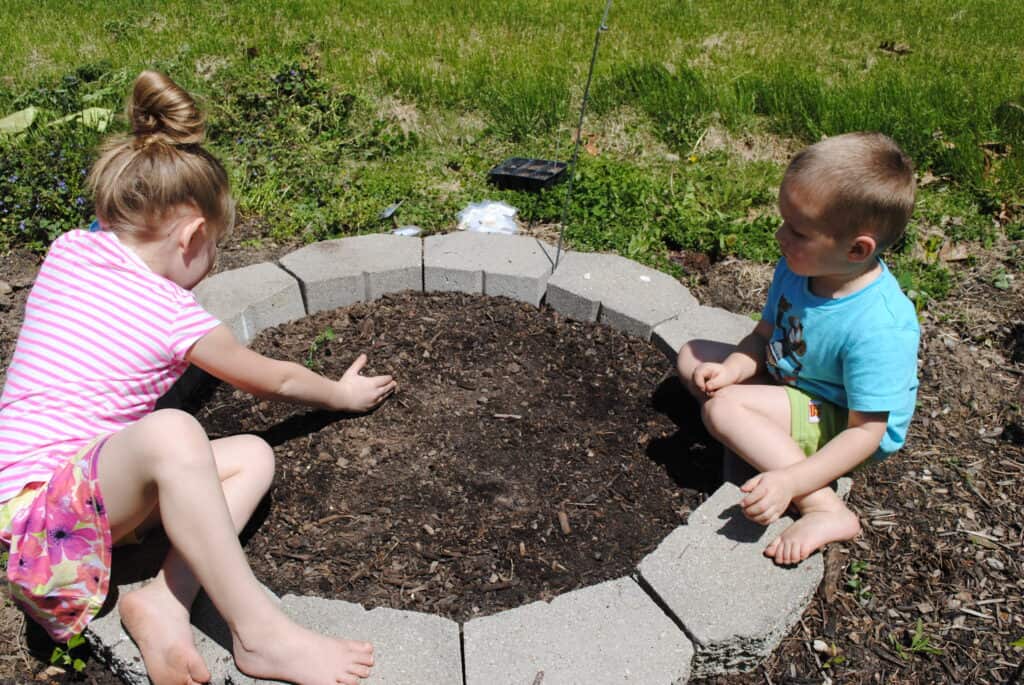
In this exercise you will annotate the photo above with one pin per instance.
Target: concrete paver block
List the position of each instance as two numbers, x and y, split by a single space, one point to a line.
337 273
607 633
735 603
112 645
510 266
617 291
252 298
710 323
410 648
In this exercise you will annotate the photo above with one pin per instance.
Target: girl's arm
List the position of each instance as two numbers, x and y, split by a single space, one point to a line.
220 354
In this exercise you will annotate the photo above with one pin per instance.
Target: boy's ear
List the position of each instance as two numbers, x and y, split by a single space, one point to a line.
195 228
862 248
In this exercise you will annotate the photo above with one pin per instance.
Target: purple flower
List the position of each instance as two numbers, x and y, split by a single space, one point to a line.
65 541
29 563
21 226
13 178
79 200
61 185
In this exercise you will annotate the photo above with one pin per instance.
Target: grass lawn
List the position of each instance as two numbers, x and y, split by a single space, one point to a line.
326 113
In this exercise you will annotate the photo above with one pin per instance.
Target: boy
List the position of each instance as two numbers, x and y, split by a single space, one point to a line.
828 377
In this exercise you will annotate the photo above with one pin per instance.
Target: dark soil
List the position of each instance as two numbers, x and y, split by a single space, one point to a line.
511 466
932 592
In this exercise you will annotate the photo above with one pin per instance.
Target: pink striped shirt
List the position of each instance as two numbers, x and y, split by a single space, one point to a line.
103 338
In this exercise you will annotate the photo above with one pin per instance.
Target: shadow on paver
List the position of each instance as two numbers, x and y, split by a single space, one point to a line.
738 527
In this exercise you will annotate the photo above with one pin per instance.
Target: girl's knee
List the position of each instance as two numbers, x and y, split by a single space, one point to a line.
173 422
259 459
177 437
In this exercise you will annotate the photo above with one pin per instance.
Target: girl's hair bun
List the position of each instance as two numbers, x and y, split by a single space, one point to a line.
161 111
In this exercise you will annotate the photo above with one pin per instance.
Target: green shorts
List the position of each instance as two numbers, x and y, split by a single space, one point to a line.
813 421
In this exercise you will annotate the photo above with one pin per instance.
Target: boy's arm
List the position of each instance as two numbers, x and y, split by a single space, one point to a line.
770 493
748 359
220 354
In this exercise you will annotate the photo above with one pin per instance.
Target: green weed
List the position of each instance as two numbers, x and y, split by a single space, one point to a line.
855 581
65 656
918 643
325 336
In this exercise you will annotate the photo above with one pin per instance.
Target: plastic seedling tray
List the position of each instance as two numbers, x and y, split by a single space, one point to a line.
520 173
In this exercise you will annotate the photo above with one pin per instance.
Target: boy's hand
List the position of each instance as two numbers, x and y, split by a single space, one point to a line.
712 376
769 496
358 393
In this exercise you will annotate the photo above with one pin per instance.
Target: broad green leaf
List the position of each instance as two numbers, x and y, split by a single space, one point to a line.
18 122
97 118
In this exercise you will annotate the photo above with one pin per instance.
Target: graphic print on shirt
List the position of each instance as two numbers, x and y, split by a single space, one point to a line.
790 346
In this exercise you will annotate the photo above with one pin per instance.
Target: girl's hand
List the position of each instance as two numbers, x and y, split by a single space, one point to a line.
712 376
770 495
358 393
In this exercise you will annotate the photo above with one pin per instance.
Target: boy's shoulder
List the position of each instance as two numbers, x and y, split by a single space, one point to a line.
894 301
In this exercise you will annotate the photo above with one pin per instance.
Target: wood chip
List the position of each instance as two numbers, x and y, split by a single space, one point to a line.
563 521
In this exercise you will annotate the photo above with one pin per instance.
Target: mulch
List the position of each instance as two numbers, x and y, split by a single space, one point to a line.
932 591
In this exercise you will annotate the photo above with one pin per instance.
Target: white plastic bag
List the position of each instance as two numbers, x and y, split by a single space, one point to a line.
488 217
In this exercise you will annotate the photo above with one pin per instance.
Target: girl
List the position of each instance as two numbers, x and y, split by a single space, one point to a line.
109 326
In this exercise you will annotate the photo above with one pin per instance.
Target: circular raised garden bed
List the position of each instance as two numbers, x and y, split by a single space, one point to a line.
517 461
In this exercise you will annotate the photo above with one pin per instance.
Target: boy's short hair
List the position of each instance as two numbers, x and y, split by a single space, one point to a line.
869 179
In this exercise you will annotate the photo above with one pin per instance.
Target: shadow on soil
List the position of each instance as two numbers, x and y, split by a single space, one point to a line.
690 456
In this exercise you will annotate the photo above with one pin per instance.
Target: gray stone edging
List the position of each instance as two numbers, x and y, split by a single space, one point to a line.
706 600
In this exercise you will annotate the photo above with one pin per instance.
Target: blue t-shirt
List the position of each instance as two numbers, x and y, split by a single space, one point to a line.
858 351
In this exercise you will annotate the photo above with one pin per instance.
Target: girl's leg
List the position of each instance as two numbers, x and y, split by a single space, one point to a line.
754 422
167 458
157 615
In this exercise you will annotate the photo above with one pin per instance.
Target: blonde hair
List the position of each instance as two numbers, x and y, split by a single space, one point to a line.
869 181
140 178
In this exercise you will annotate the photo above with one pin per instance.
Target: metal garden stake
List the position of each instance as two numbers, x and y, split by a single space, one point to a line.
579 132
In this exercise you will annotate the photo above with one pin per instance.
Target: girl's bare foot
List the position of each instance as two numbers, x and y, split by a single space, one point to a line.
160 626
812 531
282 650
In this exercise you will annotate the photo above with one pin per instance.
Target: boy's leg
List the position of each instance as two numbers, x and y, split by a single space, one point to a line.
754 422
693 354
167 457
157 615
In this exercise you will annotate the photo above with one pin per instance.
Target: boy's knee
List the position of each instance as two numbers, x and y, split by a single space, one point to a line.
686 361
717 409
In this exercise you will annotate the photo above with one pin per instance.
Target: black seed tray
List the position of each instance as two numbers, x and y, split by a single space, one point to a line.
519 173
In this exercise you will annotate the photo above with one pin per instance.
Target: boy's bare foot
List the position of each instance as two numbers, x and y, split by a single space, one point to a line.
812 531
161 629
282 650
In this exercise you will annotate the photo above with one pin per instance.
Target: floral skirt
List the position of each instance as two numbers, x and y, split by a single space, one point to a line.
59 540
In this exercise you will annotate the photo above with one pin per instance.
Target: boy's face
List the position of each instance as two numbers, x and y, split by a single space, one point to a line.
807 236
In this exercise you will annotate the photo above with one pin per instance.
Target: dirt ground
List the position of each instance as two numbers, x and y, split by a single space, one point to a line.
931 592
